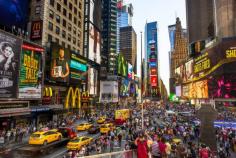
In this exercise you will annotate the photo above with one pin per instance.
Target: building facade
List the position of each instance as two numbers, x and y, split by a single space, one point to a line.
179 54
109 30
128 45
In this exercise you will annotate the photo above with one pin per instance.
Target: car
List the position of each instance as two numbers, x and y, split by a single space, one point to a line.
101 120
67 132
94 129
83 126
78 142
105 128
44 137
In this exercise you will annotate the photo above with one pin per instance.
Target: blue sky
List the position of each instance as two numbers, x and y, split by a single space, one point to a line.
164 12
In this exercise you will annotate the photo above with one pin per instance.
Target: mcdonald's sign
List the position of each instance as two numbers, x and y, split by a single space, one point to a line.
85 96
36 30
47 95
73 98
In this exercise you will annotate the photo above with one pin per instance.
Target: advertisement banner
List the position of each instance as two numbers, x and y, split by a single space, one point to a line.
30 80
92 82
78 68
36 30
108 92
153 71
122 66
10 47
198 89
94 44
60 68
130 71
178 91
153 81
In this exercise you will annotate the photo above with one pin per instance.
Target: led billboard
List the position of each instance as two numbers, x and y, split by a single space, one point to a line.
94 44
153 81
60 68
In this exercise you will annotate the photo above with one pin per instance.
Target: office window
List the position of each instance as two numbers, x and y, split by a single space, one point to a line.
49 38
75 20
79 24
79 15
58 7
74 31
37 10
63 34
69 27
57 40
51 2
69 37
50 26
70 16
75 10
70 6
64 22
80 5
58 19
51 14
74 40
65 2
57 30
78 43
64 12
76 2
63 44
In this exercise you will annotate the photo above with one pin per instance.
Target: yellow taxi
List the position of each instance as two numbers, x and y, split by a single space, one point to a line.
105 128
44 137
83 126
78 142
101 119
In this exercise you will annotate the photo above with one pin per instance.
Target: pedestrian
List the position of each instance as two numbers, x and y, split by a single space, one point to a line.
203 152
120 138
155 151
142 147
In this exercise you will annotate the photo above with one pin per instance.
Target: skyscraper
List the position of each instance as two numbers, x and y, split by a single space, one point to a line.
124 18
151 71
128 45
109 28
200 19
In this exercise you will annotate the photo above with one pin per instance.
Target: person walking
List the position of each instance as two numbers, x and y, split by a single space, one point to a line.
142 147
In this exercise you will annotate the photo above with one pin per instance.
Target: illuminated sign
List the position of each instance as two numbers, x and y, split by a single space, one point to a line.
36 30
230 53
202 63
76 65
152 64
153 81
153 71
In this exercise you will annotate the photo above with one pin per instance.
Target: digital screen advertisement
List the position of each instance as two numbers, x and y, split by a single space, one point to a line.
94 44
109 92
122 66
60 65
30 80
198 89
178 91
78 68
10 47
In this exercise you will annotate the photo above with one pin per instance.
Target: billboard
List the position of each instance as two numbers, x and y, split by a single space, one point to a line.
10 47
36 30
14 13
130 71
222 86
178 91
31 71
60 68
122 66
153 71
95 13
108 91
94 44
92 82
198 89
152 64
124 87
153 81
78 68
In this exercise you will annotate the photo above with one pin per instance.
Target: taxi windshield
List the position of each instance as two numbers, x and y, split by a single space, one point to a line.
35 135
76 140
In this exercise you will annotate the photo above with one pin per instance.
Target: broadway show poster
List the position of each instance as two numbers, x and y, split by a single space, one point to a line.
30 80
10 48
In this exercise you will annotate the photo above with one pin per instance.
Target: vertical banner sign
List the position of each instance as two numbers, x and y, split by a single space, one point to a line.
30 72
36 30
10 48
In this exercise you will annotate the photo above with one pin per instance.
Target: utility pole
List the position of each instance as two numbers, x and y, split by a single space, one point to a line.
141 74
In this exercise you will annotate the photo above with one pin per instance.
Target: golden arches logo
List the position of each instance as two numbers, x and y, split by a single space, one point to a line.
74 95
37 26
47 92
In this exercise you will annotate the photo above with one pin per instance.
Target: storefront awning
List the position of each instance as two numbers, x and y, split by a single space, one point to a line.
40 108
